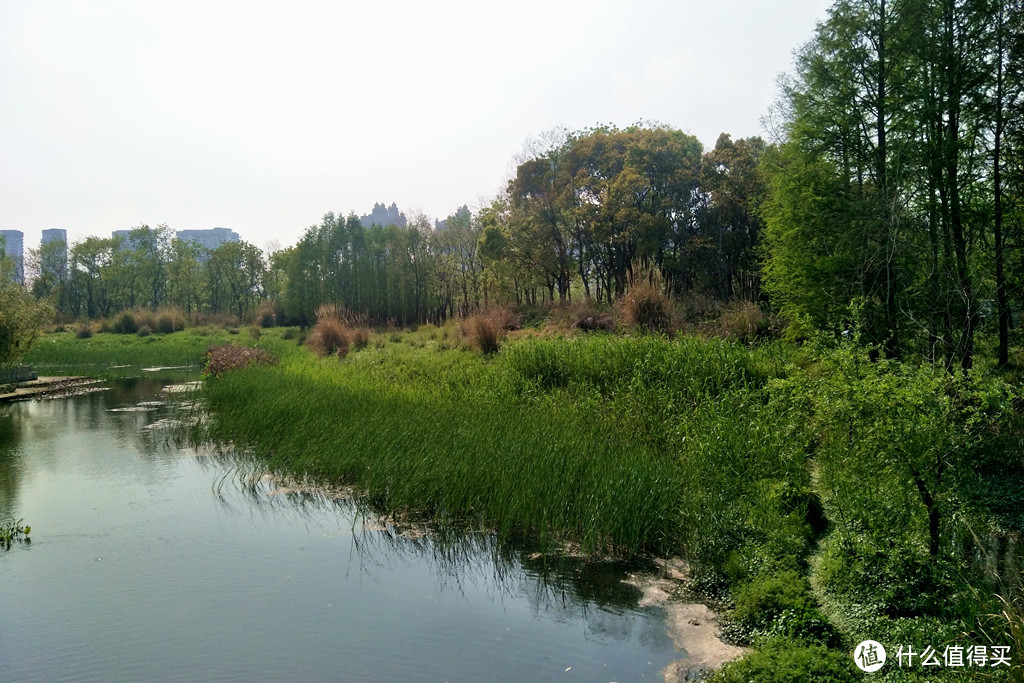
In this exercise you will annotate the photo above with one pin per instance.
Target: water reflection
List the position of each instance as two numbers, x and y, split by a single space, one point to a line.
564 588
10 462
153 559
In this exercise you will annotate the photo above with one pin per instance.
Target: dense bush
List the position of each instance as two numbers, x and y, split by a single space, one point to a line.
759 602
360 338
746 322
781 660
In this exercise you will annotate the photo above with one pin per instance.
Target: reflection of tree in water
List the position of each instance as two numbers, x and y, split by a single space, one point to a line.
10 460
564 589
143 415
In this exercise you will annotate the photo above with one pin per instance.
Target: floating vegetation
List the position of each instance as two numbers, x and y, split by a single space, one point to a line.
13 531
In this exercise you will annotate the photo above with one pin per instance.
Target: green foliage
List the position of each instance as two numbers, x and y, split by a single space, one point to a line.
761 601
781 660
894 443
562 414
65 353
20 319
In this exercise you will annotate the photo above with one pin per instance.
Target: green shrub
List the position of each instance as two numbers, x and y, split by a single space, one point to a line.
84 332
807 625
902 581
761 601
144 331
781 660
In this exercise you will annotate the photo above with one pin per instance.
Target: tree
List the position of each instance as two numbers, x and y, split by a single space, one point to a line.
20 318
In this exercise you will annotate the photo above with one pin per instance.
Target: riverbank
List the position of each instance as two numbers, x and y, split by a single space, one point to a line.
751 462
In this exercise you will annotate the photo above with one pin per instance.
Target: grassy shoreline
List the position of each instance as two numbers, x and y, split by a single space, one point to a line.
790 478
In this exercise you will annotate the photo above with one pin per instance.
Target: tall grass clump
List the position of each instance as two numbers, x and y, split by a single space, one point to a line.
484 333
487 330
125 323
645 306
329 337
746 322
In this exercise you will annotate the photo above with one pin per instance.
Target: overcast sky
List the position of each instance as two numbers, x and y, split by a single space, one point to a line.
262 117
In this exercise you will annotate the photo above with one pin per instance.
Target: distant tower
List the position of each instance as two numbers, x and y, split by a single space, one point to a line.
57 235
14 247
211 239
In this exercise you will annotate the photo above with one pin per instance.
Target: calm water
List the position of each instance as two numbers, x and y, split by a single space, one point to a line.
150 561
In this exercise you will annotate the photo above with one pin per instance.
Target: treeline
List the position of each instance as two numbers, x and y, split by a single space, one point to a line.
894 202
575 220
150 268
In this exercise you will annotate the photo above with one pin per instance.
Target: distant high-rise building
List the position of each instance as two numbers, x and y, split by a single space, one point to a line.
211 238
125 236
384 215
57 235
14 247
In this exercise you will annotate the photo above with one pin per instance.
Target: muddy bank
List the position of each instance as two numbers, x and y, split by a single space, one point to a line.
693 626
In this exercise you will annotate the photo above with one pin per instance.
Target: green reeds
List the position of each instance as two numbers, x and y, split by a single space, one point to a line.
571 440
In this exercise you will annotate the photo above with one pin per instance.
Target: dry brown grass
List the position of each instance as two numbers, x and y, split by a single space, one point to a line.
744 321
329 336
646 308
483 332
360 338
230 357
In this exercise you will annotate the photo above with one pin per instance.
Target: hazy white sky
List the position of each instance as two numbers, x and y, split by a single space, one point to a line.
262 117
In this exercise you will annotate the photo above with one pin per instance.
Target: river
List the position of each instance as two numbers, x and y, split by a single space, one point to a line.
154 560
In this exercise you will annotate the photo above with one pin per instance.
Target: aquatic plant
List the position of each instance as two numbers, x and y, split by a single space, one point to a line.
13 530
